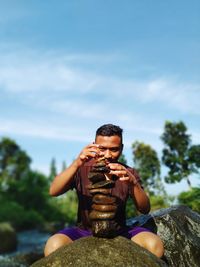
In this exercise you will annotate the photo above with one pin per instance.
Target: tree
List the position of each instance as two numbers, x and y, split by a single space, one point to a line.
191 199
31 191
148 165
122 159
182 158
24 193
53 170
14 162
64 166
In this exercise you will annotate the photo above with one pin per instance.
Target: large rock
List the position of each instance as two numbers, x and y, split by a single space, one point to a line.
179 228
8 238
101 252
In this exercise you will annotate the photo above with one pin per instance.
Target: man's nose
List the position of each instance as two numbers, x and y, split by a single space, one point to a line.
107 154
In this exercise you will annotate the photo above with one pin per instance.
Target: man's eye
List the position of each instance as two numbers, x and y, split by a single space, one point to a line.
115 149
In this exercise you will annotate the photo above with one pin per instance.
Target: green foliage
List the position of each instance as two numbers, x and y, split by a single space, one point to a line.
194 157
19 217
14 162
148 165
160 201
179 155
191 199
131 210
64 166
24 195
69 203
53 170
30 192
122 159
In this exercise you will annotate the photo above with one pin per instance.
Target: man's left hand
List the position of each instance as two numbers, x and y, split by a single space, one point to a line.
122 172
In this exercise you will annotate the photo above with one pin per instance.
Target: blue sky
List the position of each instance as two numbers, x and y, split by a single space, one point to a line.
67 67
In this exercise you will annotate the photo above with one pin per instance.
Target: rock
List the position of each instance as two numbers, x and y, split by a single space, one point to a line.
179 228
102 215
101 252
26 259
20 260
6 262
9 237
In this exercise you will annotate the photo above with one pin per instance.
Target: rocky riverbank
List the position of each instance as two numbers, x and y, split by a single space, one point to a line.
29 249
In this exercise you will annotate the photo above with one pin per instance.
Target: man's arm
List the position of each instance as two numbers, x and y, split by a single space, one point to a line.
140 198
137 193
62 181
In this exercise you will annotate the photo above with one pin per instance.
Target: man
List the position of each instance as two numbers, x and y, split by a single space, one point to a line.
109 144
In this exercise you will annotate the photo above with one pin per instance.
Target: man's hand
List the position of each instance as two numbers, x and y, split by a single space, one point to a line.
88 152
122 172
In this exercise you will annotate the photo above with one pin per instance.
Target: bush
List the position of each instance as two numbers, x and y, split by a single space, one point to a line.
158 202
130 209
32 219
191 199
16 215
68 206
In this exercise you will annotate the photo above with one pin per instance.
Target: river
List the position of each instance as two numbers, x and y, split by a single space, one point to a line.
30 244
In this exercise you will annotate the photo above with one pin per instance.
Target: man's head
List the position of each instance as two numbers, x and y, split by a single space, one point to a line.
109 137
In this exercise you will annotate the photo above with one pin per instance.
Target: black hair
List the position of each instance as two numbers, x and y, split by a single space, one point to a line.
109 130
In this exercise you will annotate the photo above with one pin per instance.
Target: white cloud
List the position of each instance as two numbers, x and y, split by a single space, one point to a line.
177 95
35 72
41 130
49 83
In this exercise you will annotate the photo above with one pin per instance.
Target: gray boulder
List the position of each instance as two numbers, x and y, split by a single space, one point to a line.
8 238
101 252
179 229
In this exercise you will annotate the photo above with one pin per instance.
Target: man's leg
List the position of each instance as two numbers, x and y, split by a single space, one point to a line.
150 241
56 241
64 237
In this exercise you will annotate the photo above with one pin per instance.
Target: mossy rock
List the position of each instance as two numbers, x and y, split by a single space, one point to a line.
101 252
8 238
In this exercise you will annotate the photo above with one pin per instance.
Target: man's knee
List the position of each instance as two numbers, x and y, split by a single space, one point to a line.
155 245
151 242
54 242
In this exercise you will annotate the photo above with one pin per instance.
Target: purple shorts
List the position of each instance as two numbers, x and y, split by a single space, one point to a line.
76 232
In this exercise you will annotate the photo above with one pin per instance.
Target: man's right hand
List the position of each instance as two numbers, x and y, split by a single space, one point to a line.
88 152
62 182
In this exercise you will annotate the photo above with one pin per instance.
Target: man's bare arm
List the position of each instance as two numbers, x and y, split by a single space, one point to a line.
140 198
62 181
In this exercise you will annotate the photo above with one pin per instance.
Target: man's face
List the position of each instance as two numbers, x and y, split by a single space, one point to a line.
110 146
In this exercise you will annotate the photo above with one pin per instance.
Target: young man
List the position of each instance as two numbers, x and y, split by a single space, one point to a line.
109 144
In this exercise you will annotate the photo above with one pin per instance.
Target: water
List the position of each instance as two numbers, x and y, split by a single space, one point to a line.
31 240
30 246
